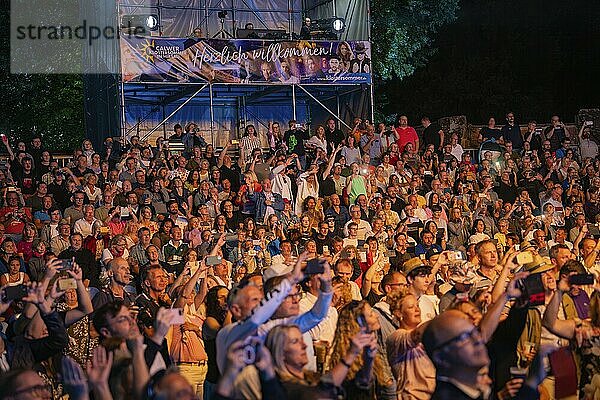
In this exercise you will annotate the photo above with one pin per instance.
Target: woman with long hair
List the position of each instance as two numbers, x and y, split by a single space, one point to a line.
90 188
249 142
356 317
145 219
412 368
288 352
209 155
318 140
308 185
25 245
246 195
216 317
312 208
351 152
192 182
344 52
478 234
249 227
178 192
356 184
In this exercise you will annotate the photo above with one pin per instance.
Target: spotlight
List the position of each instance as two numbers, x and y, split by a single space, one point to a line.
152 22
222 14
143 22
338 25
328 28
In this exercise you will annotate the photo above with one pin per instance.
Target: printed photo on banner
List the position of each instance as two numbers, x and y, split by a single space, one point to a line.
154 59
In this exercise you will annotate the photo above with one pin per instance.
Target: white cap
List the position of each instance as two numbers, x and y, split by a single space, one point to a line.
276 270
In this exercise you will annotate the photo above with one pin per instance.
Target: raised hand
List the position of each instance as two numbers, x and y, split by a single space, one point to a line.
74 379
361 340
162 324
512 290
76 272
98 368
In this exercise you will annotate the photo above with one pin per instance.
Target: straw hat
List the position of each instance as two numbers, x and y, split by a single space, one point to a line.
412 264
538 265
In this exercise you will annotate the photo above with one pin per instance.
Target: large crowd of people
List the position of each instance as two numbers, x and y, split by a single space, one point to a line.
374 263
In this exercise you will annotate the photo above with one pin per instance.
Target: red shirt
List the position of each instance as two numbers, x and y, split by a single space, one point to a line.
12 225
406 135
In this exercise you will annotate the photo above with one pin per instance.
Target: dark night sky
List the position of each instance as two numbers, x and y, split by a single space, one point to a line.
531 56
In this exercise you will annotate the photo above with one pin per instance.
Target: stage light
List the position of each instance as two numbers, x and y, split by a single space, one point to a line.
328 28
152 22
143 22
338 25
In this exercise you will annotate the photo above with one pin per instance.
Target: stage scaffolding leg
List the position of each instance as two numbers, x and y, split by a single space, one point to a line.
324 106
123 121
372 90
147 135
212 115
290 19
294 102
337 105
164 126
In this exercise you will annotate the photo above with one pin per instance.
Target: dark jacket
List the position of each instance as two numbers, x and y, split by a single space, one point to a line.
446 391
86 260
32 351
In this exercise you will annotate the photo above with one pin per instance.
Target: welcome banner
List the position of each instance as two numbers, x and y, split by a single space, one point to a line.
155 59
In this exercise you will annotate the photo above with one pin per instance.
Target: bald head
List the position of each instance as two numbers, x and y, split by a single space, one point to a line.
454 344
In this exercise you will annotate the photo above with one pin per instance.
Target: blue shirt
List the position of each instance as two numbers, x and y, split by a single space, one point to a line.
422 249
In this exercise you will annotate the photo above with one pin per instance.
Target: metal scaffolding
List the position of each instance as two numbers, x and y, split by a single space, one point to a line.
316 100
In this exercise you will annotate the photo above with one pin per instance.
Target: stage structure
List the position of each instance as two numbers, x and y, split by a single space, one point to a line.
199 61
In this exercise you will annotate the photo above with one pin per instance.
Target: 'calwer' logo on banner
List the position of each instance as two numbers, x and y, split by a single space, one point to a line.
149 49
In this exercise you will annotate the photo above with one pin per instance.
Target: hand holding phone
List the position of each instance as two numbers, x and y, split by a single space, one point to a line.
314 267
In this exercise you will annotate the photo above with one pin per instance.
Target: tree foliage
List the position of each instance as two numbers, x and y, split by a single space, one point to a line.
50 105
402 32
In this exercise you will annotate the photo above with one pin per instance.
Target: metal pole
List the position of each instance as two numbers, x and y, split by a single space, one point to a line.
244 110
123 127
372 103
206 15
337 105
294 102
324 106
147 135
164 126
290 19
212 115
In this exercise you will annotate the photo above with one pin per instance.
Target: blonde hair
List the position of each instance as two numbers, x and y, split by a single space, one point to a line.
275 342
347 327
396 298
251 175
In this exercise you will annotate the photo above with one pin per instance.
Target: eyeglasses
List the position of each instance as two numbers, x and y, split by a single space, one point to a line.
294 297
474 335
399 284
